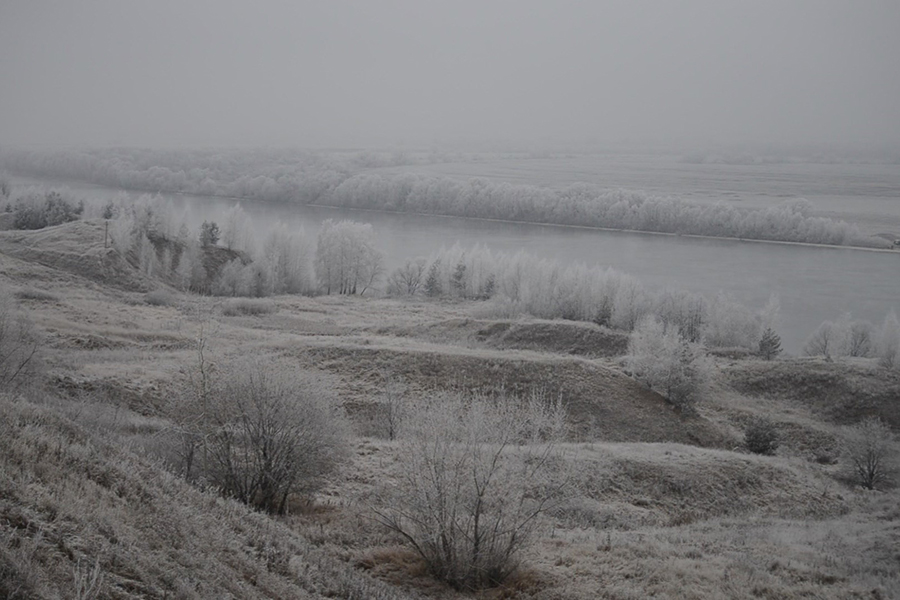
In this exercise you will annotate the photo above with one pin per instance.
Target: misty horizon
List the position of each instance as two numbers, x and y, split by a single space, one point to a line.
404 74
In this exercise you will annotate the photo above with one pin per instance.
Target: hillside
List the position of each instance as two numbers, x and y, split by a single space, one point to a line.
657 503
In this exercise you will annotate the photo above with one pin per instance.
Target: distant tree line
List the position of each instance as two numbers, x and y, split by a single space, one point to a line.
342 180
849 337
522 283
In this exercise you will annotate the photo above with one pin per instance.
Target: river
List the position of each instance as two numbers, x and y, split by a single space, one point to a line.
813 283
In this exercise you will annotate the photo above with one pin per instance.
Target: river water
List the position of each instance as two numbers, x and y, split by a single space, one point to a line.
814 284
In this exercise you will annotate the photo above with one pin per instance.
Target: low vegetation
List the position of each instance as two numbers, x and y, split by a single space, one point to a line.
19 347
36 210
403 448
258 433
247 307
761 436
463 500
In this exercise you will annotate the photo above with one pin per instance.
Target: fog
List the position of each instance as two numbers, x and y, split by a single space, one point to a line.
413 73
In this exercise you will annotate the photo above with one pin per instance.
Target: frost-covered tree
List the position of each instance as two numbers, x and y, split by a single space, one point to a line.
730 324
230 280
888 346
347 260
871 451
822 342
237 230
666 362
289 256
191 274
844 337
858 338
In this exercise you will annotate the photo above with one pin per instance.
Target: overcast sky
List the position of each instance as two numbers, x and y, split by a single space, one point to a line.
376 72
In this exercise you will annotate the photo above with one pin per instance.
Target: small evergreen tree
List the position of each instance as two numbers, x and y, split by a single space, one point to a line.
769 344
760 436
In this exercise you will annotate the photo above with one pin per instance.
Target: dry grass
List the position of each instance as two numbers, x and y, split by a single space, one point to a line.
35 294
841 392
658 504
243 307
67 498
558 337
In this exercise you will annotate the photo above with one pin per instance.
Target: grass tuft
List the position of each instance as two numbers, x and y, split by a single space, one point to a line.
30 293
244 307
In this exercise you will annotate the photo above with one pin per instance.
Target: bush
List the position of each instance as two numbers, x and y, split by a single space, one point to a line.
760 436
260 433
30 293
869 448
19 344
37 212
246 307
159 298
464 502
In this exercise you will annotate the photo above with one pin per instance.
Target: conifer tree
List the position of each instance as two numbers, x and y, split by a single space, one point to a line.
769 344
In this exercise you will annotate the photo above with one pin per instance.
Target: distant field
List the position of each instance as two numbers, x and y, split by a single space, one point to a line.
865 194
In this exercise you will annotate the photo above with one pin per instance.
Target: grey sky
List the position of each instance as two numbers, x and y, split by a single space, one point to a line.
380 72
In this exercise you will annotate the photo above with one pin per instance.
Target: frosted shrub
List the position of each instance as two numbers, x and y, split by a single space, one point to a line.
464 500
19 344
730 325
259 433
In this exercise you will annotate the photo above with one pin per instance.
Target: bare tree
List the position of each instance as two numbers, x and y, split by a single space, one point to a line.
822 342
237 229
871 451
406 280
465 501
858 339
